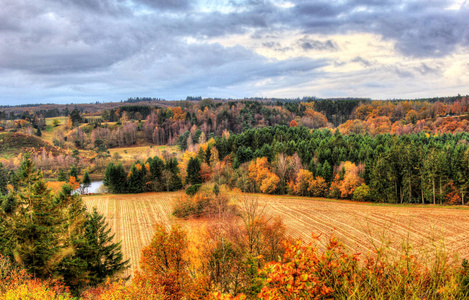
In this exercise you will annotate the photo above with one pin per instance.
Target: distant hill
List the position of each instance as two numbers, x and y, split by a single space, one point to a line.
14 143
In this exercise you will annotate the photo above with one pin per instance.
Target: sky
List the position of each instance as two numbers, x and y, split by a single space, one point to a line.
83 51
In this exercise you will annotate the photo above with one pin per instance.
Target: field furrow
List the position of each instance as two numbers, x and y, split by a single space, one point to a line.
361 227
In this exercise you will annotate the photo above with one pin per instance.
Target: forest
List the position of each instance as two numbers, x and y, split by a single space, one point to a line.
409 152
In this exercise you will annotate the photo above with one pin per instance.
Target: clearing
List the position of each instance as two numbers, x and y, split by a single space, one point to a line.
360 226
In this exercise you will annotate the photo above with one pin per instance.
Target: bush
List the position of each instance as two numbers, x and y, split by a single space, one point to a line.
193 189
202 203
361 193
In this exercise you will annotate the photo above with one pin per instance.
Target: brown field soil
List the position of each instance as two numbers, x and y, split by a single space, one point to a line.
361 227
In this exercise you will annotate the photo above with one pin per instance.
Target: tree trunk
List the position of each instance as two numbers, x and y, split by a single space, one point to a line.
423 199
441 192
434 196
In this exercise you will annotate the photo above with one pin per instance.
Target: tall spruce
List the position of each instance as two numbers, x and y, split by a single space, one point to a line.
62 176
193 171
33 230
3 179
86 181
54 237
103 256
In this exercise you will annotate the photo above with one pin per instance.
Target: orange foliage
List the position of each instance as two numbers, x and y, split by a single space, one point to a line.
304 273
348 182
73 183
205 172
261 176
293 123
453 196
164 262
178 114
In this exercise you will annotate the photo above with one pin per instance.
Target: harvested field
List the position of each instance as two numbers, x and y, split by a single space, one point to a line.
361 227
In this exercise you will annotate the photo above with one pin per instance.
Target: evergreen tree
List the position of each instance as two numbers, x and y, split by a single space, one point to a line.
136 178
104 257
96 256
86 180
74 172
3 179
33 232
54 237
193 171
116 178
173 181
156 173
62 176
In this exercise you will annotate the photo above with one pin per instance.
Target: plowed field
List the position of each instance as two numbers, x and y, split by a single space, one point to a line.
361 227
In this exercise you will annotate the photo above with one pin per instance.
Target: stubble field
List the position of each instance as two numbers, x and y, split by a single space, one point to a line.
361 227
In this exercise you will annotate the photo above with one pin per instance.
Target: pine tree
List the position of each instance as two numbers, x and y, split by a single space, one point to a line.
74 172
3 179
116 178
193 171
136 178
62 176
104 257
54 237
86 180
33 230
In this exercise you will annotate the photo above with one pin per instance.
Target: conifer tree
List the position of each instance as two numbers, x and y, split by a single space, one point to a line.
74 172
62 176
33 224
86 180
3 179
103 256
193 171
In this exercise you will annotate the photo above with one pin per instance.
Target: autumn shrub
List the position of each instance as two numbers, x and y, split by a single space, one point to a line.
16 283
203 203
119 290
305 271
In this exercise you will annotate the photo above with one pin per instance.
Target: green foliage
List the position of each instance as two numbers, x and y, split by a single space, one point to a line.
62 176
76 118
4 178
102 257
86 180
74 172
193 171
192 190
54 237
115 178
361 193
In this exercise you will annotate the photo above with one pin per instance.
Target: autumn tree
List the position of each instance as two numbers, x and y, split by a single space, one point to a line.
165 262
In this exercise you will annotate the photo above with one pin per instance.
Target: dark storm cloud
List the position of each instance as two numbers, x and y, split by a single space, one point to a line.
75 44
420 28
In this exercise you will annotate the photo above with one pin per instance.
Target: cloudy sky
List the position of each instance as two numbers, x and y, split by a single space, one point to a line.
66 51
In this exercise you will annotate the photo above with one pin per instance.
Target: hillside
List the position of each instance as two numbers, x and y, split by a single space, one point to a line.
14 143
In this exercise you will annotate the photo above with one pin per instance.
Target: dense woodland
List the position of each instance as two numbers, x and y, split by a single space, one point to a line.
51 247
383 151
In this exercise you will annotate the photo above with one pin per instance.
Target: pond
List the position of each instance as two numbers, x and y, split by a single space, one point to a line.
92 189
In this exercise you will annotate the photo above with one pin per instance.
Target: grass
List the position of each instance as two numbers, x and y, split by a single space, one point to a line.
63 120
12 144
138 151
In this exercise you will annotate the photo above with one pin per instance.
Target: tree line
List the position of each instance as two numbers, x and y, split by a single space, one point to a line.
53 236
